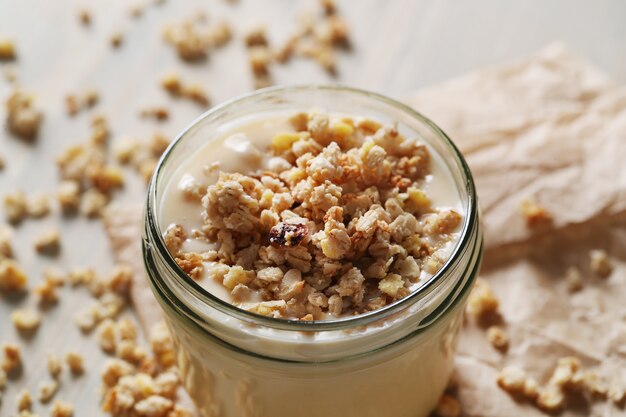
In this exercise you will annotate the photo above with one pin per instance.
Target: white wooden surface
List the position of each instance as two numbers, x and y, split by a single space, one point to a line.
400 45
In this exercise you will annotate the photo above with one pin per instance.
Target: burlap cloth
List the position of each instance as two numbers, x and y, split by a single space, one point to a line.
549 127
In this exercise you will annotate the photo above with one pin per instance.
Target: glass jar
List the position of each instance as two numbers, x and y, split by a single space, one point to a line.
394 361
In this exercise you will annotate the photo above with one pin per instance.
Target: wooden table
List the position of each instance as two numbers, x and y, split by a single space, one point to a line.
400 45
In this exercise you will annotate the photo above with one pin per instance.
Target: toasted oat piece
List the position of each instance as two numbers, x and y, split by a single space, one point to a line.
61 409
48 242
535 214
154 405
498 338
23 119
26 320
75 362
23 400
600 263
12 278
47 390
114 369
7 50
12 358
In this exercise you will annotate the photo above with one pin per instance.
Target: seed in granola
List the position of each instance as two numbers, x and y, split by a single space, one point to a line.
23 119
47 390
498 338
48 242
7 50
26 320
24 401
75 362
12 358
600 263
62 409
12 278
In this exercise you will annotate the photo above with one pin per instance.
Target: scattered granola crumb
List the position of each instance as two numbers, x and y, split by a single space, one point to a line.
2 162
37 206
23 119
85 17
158 113
551 399
15 207
600 263
12 359
26 320
6 249
75 362
3 380
256 37
54 366
498 338
512 379
61 409
48 242
47 390
136 11
220 35
12 278
482 302
535 214
68 195
74 104
7 50
117 39
23 400
92 203
573 279
107 336
448 406
173 85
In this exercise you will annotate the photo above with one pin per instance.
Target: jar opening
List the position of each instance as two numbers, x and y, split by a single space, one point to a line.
283 96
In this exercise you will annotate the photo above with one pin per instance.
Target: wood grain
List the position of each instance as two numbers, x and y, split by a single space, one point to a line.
400 45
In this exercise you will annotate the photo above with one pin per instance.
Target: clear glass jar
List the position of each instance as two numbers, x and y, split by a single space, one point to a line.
394 361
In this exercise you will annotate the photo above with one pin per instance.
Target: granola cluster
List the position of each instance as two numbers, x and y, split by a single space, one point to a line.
339 224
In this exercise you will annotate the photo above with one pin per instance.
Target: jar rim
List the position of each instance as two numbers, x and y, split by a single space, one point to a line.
157 242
